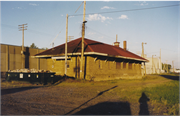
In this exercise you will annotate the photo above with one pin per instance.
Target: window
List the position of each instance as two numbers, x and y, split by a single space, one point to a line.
118 65
100 64
124 65
130 65
109 65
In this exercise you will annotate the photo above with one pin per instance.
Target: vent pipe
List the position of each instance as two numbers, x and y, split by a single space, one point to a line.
116 43
124 45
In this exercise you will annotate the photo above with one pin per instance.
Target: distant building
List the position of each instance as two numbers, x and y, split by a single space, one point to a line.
101 61
154 66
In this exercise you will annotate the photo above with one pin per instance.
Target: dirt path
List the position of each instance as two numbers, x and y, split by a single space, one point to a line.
76 98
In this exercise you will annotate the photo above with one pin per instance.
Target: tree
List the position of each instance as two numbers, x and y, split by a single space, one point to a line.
44 48
166 67
33 46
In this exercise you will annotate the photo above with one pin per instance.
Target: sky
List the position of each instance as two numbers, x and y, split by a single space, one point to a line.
46 23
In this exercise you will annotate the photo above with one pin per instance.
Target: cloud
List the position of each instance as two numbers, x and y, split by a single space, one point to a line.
106 0
101 37
142 3
107 7
96 17
33 4
71 16
91 33
61 15
17 8
123 17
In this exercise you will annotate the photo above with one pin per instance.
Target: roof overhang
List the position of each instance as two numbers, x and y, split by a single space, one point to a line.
86 53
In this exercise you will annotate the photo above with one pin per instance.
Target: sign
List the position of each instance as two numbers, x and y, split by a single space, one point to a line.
20 75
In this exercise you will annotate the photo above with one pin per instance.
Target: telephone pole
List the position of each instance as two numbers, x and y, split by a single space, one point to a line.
142 55
82 48
66 45
153 64
22 28
160 64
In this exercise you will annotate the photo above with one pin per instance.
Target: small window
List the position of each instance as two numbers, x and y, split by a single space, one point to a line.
109 65
124 65
100 64
118 65
130 65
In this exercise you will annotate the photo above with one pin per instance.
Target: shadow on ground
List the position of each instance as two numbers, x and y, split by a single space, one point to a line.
14 90
107 108
171 77
99 94
143 105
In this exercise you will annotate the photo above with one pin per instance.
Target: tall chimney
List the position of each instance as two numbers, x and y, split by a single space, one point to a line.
116 43
124 45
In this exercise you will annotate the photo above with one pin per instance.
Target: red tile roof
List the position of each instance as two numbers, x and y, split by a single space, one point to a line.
90 46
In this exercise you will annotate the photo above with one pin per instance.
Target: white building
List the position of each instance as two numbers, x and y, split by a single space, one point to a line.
154 66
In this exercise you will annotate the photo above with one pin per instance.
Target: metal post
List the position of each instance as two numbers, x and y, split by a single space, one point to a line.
82 49
66 45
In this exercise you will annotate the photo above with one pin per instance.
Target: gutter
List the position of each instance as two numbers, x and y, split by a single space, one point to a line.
86 53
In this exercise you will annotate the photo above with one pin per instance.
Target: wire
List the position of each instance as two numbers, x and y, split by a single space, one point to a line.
99 32
128 10
30 30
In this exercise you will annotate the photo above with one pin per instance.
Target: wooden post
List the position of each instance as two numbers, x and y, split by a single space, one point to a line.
66 45
38 67
145 68
82 49
7 57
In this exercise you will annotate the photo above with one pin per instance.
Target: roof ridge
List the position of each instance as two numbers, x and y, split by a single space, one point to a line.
88 46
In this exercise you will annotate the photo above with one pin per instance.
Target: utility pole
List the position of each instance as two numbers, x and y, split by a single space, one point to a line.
153 64
22 28
160 64
70 38
82 48
173 65
66 45
167 66
142 55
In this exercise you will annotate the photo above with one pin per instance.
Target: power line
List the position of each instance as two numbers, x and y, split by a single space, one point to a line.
100 33
128 10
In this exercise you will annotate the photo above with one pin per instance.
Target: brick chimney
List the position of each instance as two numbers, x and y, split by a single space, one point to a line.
124 45
116 43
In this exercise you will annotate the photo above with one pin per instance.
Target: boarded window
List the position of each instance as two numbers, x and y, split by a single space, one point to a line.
118 65
109 65
124 65
100 64
130 65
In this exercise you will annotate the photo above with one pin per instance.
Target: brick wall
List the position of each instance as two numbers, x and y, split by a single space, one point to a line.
96 69
104 69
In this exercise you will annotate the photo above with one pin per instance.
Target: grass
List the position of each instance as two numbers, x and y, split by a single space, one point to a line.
167 94
160 90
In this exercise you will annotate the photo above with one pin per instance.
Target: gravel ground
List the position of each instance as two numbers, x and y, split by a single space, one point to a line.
68 99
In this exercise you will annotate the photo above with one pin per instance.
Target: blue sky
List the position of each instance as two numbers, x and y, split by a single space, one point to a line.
159 27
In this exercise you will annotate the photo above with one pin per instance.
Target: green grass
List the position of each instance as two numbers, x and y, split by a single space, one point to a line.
168 91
